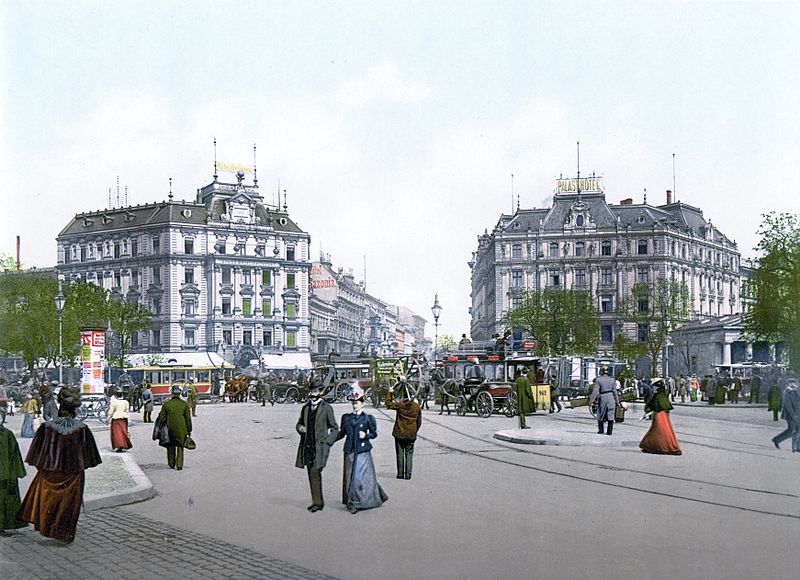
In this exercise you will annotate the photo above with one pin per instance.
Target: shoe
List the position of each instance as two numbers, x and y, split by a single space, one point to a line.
776 444
525 427
352 510
400 477
178 468
315 508
407 477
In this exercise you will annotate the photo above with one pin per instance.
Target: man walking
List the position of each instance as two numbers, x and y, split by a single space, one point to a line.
406 424
147 404
790 411
316 425
607 400
175 413
755 389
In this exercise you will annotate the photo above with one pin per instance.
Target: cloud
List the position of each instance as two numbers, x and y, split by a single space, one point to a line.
383 83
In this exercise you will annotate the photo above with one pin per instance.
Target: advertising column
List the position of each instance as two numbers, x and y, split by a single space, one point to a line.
93 355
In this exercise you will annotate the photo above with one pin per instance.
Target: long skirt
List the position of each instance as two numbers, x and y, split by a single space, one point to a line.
9 505
660 438
53 504
28 429
119 434
360 487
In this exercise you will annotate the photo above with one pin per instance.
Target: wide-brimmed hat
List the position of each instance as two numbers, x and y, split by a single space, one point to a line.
356 393
657 381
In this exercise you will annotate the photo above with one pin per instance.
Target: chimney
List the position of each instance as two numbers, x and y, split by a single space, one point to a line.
627 201
669 196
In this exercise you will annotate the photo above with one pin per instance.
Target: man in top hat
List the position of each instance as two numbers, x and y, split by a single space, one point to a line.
178 418
315 426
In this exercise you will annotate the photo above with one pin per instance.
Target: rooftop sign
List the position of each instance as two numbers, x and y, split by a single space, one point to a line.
233 167
592 184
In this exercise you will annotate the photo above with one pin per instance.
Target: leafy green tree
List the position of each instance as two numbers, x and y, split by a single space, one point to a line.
446 342
7 263
28 319
775 284
85 304
657 309
125 318
562 321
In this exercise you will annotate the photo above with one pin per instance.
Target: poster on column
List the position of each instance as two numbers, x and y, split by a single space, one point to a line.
93 351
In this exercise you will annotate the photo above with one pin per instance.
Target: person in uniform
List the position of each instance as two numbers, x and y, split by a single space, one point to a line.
315 426
407 422
607 400
525 404
360 487
147 403
11 470
62 450
660 438
790 412
178 418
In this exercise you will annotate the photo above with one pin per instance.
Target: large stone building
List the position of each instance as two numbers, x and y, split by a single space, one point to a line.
223 272
583 242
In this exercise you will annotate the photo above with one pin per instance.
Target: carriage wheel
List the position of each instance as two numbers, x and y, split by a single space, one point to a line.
411 368
510 408
340 392
484 404
82 412
461 406
279 395
292 395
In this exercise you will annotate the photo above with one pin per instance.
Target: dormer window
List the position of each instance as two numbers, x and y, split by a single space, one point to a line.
579 220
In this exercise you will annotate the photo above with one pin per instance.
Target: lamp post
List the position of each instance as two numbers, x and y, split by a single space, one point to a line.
436 310
59 304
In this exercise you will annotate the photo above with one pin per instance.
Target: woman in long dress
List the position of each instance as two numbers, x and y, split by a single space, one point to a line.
30 408
62 450
118 413
11 470
360 487
661 437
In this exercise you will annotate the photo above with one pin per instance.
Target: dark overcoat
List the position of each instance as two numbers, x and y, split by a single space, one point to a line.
179 420
324 426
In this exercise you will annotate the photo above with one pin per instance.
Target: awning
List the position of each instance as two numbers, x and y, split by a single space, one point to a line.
182 359
287 360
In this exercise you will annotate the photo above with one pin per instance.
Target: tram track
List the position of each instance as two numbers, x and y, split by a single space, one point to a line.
486 456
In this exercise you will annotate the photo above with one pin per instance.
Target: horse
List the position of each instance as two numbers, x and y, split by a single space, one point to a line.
237 389
447 390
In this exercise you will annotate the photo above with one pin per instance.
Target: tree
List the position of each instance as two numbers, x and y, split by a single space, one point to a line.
28 319
446 342
7 263
657 310
775 284
562 321
125 318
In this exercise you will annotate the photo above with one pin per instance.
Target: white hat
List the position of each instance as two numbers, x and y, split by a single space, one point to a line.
356 393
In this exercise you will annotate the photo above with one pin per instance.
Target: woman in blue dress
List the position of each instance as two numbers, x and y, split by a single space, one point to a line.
360 488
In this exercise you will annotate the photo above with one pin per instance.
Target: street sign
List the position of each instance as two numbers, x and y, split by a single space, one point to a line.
530 344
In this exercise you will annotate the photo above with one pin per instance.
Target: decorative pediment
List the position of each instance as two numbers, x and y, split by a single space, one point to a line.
155 290
240 208
246 290
189 289
291 294
579 216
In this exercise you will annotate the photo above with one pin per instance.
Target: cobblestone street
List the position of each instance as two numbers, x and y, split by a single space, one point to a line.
112 543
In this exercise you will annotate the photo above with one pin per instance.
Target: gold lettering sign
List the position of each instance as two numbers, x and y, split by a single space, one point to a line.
574 185
233 167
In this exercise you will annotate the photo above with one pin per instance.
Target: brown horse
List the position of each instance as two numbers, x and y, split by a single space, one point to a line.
236 389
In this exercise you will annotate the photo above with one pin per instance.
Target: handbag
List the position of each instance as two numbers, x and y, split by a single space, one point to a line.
189 443
619 414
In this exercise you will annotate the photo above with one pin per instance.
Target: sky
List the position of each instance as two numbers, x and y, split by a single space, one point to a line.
395 127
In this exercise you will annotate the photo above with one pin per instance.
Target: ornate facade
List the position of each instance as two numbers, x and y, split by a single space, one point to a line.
582 242
227 269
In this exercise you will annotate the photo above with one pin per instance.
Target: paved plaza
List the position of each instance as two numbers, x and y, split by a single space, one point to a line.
581 506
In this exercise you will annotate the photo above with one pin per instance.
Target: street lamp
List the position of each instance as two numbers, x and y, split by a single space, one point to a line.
59 303
436 310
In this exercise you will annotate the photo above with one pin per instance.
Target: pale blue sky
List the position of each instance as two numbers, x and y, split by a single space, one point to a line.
395 126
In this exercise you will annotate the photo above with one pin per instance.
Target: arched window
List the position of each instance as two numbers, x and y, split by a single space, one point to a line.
642 247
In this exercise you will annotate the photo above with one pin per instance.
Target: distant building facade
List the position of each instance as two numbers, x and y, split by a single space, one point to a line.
225 271
582 242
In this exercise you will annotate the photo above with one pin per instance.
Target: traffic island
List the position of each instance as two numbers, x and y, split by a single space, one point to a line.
564 437
118 480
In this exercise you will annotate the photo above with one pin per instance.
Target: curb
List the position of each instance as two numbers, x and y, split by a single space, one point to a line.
590 440
142 490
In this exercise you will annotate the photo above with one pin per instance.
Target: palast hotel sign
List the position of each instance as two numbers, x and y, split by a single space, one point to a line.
592 184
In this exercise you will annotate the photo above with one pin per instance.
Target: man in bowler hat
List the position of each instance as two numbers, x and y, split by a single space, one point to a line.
315 426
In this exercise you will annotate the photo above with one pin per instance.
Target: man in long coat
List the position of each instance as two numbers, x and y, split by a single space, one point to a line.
316 426
607 400
525 402
407 422
790 411
178 418
11 471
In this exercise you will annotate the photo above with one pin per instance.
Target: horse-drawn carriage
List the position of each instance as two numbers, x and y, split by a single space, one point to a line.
469 395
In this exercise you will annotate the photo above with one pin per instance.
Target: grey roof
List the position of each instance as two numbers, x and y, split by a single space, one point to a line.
137 216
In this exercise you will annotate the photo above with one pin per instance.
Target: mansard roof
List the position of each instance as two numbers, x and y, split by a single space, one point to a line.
138 216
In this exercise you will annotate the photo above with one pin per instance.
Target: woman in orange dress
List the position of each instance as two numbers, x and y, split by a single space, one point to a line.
660 438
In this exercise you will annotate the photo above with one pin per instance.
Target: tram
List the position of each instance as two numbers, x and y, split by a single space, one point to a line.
207 379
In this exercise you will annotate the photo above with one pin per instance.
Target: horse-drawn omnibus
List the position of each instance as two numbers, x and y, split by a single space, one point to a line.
206 378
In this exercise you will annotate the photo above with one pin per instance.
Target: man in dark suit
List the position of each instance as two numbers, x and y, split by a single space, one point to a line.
315 426
178 418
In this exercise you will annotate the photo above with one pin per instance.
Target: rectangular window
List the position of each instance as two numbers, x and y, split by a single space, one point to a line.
605 276
643 304
516 278
188 337
554 278
266 338
91 251
116 251
606 303
226 275
226 306
580 249
188 276
580 276
291 339
290 253
291 310
156 306
227 337
156 245
605 248
266 278
516 251
157 275
188 246
155 337
189 308
516 301
606 333
641 247
553 250
134 277
642 333
247 337
83 253
118 279
134 248
290 280
247 276
642 275
266 307
246 307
